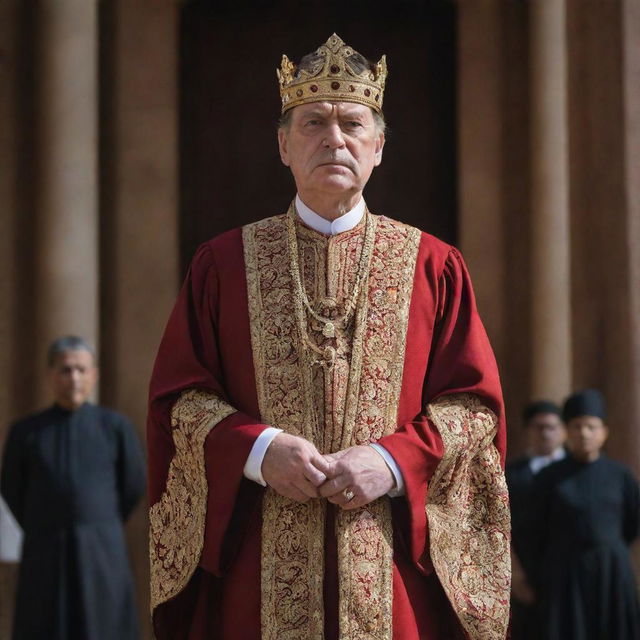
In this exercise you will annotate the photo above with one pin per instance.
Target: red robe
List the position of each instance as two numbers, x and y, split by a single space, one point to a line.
450 573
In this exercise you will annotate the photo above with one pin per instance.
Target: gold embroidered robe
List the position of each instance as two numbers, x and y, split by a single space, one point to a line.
412 370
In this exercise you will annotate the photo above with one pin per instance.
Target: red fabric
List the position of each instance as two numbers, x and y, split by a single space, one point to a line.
207 345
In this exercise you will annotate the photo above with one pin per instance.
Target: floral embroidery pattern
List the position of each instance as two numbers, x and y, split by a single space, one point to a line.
468 512
352 402
177 520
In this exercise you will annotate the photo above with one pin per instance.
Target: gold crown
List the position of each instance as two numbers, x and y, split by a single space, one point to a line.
336 72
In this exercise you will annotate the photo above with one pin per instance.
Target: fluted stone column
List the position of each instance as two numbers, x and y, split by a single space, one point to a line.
550 257
66 231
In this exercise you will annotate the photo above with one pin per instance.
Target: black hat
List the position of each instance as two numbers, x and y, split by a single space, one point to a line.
588 402
538 407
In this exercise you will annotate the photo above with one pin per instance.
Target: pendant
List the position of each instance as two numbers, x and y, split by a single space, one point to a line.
329 356
329 330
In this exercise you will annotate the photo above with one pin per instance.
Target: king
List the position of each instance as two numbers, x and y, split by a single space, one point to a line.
326 433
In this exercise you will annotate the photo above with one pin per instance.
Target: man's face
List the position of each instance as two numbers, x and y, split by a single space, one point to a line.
73 376
546 433
331 147
586 436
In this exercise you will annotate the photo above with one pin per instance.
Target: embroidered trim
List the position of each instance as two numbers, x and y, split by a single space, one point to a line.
468 514
292 533
365 547
177 520
288 392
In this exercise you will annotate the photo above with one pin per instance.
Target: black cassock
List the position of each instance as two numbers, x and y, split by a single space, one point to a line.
71 479
585 516
520 481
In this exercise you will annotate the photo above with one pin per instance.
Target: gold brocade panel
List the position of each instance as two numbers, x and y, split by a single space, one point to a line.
351 400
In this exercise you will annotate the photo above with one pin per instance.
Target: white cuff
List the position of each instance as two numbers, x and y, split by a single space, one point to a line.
253 465
398 490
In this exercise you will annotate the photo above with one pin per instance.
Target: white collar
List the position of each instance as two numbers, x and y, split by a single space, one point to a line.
345 222
537 463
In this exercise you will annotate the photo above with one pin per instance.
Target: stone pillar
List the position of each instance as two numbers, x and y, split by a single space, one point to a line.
631 107
605 202
494 184
550 257
66 231
140 216
480 159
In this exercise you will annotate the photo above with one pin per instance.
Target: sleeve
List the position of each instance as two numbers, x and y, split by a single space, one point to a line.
13 478
198 442
131 468
461 369
452 460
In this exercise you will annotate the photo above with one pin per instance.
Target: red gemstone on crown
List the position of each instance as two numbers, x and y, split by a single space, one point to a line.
335 68
314 88
367 92
335 85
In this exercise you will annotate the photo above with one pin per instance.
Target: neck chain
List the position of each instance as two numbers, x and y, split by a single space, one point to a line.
300 293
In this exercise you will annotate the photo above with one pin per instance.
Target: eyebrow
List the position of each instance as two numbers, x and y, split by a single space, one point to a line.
346 115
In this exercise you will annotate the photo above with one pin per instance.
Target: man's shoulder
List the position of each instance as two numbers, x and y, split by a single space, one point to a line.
34 419
230 241
108 415
431 247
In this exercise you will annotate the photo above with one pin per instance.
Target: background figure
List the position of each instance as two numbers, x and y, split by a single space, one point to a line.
546 435
71 475
585 517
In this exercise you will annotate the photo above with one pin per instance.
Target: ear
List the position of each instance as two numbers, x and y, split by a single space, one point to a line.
379 146
283 145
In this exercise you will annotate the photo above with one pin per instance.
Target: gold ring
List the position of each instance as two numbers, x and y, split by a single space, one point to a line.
348 494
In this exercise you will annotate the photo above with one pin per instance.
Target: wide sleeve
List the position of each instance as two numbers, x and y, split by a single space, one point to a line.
198 442
14 476
452 459
131 468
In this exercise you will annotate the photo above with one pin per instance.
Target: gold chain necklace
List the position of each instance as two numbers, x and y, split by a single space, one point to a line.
300 293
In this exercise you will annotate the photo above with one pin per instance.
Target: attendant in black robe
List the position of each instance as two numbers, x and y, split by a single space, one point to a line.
71 475
546 435
586 516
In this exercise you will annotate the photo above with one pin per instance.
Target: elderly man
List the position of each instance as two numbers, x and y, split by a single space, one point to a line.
325 429
71 475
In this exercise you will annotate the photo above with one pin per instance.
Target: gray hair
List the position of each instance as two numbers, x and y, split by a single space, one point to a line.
284 122
68 343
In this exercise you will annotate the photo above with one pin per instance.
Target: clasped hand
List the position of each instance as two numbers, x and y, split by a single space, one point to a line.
294 468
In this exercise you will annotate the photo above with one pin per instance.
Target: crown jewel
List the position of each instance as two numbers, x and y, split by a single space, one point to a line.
334 72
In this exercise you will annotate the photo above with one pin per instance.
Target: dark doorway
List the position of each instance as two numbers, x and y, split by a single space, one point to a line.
230 168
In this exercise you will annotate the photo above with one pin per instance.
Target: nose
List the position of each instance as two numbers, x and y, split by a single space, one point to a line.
334 138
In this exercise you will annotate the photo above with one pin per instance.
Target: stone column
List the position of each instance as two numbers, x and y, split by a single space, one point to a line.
631 105
66 231
140 217
550 257
480 165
